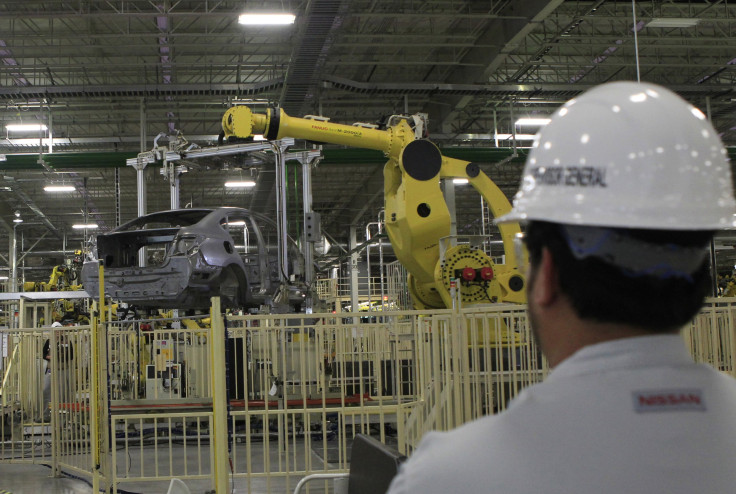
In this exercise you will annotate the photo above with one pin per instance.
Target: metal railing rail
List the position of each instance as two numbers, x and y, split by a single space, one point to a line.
160 446
300 386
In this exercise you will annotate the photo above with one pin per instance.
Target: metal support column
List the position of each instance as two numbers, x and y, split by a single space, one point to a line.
308 160
307 205
99 432
144 138
117 198
368 263
218 336
281 219
13 259
381 222
51 129
174 187
308 246
13 274
140 168
354 258
173 175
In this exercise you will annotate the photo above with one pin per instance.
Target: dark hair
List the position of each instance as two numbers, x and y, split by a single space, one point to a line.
602 292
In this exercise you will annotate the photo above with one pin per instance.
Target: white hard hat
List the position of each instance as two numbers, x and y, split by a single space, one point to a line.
627 155
56 324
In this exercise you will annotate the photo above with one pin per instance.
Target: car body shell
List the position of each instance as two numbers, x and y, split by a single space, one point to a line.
193 255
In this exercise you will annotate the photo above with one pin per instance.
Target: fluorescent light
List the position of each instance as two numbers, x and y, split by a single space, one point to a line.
25 127
519 137
240 184
17 220
59 188
85 226
236 223
263 19
460 181
532 121
673 22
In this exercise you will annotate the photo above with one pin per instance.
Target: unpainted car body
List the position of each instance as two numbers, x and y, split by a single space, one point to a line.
192 255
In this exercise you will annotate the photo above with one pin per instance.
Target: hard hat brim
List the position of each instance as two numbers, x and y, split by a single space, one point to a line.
511 217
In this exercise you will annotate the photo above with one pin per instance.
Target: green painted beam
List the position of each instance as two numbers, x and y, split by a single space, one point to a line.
66 161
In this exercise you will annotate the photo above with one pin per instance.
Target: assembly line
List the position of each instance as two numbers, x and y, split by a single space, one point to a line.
354 247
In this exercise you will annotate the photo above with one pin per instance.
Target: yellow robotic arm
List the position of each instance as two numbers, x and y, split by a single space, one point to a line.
417 216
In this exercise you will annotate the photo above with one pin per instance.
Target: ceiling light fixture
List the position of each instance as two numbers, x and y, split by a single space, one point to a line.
266 19
85 226
17 220
19 127
532 121
460 181
240 184
59 188
519 137
673 22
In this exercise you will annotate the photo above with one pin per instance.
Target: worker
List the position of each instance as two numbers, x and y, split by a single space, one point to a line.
61 362
46 392
620 196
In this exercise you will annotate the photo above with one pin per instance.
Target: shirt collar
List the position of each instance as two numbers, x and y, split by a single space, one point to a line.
625 353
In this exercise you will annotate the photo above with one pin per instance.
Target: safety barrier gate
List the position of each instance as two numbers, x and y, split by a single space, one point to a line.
297 390
711 337
45 401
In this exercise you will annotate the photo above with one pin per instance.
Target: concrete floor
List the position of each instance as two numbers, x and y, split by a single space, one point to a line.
36 478
32 479
145 461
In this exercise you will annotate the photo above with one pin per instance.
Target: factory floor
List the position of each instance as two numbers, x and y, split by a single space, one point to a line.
35 476
19 478
27 478
33 479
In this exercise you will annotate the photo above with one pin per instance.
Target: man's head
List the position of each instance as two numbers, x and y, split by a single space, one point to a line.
621 194
653 280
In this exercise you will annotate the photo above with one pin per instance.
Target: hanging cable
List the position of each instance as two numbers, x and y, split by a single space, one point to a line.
636 40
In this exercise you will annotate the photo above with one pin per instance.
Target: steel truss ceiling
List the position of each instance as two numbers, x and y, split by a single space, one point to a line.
109 76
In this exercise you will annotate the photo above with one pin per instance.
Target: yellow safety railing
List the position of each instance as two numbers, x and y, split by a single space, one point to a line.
45 403
256 403
710 337
153 448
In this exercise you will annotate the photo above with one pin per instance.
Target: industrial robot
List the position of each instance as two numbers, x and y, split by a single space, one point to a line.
417 216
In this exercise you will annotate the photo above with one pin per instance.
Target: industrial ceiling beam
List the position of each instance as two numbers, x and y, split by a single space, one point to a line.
504 35
310 52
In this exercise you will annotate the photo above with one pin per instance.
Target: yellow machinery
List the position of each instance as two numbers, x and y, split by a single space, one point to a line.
62 277
59 280
417 217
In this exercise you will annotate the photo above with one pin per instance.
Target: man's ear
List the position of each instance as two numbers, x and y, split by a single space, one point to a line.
546 284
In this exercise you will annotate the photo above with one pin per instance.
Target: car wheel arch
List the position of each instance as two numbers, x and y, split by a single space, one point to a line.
239 273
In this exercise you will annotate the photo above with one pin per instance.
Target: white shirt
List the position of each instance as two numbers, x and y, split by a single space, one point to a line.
635 415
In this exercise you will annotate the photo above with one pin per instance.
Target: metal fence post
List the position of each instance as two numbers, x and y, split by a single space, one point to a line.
219 399
55 426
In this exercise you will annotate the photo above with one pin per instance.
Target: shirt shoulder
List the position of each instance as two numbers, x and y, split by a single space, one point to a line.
444 462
